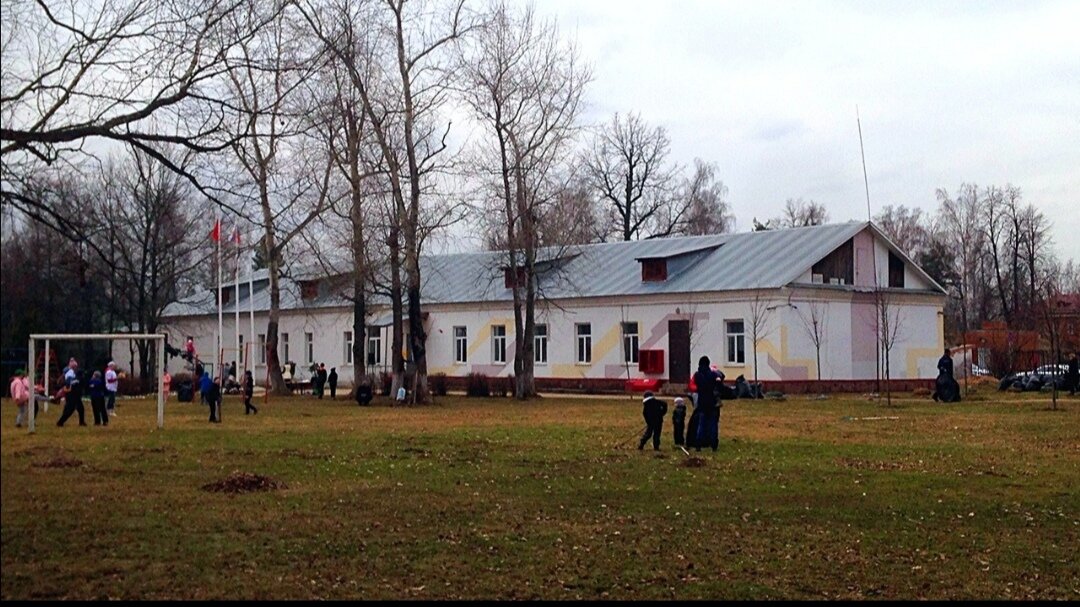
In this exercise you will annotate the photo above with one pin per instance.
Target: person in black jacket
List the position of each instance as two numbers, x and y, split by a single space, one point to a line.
653 410
678 421
708 406
72 394
321 374
96 387
213 398
331 381
363 392
249 389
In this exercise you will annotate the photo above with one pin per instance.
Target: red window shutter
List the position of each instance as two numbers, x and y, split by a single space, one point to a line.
651 361
654 270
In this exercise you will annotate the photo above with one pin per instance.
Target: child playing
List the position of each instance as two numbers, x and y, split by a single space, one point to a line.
249 390
20 392
678 421
96 387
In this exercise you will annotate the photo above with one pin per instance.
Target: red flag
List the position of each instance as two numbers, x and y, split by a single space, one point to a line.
215 234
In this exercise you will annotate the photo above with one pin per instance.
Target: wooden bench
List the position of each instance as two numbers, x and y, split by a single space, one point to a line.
300 386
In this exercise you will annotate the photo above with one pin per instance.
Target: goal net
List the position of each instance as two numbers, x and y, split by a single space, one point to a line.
49 339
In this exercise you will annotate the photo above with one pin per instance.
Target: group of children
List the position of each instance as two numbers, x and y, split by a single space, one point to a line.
210 390
704 428
101 387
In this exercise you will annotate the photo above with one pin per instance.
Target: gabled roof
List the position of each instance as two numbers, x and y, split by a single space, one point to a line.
726 262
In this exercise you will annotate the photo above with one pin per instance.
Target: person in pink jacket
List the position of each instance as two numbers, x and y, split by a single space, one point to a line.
20 392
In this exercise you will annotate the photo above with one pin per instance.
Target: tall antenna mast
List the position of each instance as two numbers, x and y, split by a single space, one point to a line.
873 256
866 182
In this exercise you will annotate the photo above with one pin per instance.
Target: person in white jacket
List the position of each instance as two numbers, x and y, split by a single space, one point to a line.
112 383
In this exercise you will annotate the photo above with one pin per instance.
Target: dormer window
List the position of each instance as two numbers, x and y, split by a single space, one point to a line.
896 271
653 270
309 289
514 277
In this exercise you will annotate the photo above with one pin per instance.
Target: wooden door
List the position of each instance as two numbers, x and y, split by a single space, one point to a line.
679 351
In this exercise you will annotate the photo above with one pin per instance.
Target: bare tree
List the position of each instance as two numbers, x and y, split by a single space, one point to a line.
959 224
905 227
802 213
761 311
709 211
627 167
281 169
525 87
139 72
814 324
890 322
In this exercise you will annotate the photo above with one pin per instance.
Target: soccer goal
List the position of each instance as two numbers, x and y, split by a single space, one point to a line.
50 338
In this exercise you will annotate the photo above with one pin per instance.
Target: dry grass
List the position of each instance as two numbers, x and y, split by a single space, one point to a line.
489 498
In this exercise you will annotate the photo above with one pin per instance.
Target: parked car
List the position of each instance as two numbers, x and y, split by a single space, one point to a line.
1034 380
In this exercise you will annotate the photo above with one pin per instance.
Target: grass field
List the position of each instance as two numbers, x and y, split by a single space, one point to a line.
490 498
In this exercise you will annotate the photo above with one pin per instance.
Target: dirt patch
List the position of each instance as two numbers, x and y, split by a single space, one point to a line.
879 466
244 482
60 461
693 462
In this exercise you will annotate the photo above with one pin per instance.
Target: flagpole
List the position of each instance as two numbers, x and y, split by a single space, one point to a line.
251 307
220 324
236 300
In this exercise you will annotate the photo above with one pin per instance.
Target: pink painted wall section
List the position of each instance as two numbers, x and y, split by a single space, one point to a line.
863 244
863 336
788 372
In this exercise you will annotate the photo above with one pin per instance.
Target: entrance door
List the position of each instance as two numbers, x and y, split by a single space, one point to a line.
679 351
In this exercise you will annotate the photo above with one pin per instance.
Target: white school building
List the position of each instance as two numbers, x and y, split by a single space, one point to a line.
625 310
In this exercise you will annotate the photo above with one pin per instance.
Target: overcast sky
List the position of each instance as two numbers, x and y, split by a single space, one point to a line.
984 92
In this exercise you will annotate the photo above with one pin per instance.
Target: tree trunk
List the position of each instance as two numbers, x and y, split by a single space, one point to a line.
397 362
273 363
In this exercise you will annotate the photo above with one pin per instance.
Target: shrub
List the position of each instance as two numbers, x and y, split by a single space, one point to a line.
439 384
500 387
180 378
386 381
127 385
477 384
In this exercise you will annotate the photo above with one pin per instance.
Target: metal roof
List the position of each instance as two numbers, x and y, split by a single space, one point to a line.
751 260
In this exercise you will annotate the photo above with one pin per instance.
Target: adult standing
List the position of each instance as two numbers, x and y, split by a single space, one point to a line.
248 389
72 395
112 384
653 410
332 381
213 398
322 379
708 407
1074 375
946 387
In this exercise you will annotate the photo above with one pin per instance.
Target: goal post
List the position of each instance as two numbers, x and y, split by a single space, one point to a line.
48 338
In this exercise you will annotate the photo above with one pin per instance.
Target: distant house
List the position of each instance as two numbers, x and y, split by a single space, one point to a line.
1002 350
625 310
1065 312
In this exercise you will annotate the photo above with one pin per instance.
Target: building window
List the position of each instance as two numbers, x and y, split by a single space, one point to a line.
285 346
348 343
584 343
653 270
461 345
540 344
736 342
896 271
262 349
498 343
309 348
630 342
309 289
243 358
374 347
